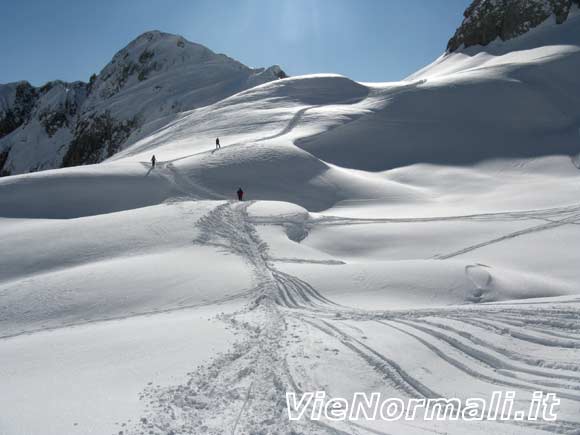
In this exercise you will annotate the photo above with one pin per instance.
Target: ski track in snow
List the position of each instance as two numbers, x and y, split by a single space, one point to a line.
291 335
552 218
294 121
245 388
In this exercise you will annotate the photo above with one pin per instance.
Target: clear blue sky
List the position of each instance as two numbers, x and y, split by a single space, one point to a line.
367 40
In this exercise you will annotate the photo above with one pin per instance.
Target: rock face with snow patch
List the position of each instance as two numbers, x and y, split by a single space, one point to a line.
146 83
486 20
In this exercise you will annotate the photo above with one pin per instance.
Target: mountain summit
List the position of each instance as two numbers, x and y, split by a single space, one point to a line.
142 88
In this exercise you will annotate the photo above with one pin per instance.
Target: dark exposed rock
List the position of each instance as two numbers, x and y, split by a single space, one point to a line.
145 56
97 138
91 83
3 158
486 20
8 123
53 121
24 100
144 71
46 87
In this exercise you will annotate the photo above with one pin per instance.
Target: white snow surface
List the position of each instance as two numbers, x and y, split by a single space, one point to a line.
147 84
416 239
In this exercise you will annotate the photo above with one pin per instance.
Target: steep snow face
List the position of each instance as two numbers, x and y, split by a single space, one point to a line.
155 77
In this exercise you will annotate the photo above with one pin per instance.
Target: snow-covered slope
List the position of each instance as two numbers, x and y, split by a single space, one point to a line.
415 239
143 87
513 99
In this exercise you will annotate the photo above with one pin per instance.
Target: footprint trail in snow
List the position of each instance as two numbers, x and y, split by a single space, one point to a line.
291 336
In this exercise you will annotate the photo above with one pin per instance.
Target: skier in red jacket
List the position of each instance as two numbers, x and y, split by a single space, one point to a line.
240 194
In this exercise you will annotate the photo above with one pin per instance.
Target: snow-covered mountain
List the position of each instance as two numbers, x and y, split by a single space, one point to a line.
144 86
414 239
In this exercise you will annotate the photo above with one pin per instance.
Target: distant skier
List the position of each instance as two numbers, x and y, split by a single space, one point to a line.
240 194
153 160
217 143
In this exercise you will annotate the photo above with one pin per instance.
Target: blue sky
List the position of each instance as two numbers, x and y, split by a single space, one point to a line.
367 40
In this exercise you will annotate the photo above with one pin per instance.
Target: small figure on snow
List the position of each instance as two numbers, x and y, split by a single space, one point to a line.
153 160
217 143
240 193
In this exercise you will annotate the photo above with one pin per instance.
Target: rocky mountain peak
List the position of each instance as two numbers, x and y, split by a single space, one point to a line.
486 20
154 77
147 55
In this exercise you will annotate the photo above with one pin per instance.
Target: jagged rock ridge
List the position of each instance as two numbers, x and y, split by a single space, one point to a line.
486 20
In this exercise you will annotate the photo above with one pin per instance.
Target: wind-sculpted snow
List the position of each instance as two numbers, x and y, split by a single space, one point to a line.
517 108
276 352
465 108
144 87
319 321
314 89
149 300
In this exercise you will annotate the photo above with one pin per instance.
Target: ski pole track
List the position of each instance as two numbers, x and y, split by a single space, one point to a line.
255 375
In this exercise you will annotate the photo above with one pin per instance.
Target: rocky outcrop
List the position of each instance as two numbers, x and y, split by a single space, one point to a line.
155 76
3 158
96 139
14 115
486 20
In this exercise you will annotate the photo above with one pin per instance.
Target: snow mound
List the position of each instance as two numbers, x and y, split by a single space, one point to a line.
83 191
512 100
